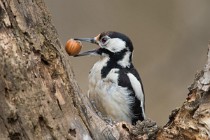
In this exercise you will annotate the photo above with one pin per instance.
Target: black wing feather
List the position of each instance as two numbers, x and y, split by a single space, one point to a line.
124 81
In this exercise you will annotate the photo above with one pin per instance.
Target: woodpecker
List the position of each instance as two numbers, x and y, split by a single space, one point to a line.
115 86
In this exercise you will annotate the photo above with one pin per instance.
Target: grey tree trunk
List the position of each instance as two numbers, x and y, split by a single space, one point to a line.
40 99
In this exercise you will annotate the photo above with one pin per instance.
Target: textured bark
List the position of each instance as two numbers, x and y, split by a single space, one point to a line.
40 99
36 91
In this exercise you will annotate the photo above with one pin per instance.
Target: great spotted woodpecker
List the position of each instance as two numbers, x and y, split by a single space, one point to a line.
115 86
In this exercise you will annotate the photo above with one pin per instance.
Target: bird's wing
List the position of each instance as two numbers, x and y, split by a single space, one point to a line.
131 79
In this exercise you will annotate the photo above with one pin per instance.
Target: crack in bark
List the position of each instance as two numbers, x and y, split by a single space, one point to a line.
59 105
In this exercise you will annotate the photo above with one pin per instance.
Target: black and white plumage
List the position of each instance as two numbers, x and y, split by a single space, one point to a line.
114 84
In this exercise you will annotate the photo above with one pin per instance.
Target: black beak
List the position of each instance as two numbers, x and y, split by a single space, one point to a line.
90 40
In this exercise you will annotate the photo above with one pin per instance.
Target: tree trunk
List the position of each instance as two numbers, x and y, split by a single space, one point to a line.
40 99
36 83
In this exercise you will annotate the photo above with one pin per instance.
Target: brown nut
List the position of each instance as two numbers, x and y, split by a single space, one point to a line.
73 47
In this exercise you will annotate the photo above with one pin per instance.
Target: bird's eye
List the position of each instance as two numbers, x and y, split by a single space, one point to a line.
103 40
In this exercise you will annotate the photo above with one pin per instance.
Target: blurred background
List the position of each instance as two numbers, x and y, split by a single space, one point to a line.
170 41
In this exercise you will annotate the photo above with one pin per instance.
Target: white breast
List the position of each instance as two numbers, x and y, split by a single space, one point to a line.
95 72
109 98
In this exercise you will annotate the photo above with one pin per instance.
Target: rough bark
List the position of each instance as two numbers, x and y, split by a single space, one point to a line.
40 99
36 84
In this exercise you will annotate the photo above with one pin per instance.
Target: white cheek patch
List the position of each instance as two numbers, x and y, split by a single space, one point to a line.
137 89
115 45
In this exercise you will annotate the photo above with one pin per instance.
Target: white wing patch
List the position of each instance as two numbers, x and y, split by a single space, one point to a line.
137 89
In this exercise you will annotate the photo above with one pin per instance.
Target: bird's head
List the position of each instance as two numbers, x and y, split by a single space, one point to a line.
110 44
114 45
